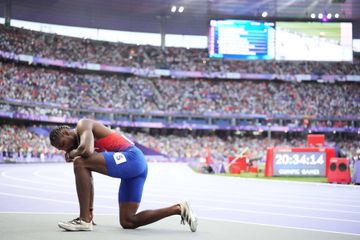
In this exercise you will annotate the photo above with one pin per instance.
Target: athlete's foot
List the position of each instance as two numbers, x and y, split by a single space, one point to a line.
188 216
76 224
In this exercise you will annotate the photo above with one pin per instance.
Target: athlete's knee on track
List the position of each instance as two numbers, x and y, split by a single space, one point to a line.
127 223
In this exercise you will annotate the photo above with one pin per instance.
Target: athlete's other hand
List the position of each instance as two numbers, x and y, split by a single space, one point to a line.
68 158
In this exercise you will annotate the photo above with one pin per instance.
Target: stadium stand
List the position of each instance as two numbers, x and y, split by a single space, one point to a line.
30 90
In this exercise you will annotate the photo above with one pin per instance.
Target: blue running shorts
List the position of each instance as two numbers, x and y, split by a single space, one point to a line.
129 165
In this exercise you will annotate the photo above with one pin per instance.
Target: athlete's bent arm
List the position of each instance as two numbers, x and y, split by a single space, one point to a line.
86 145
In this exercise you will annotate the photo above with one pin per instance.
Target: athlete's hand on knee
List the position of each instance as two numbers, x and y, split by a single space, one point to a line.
68 158
76 158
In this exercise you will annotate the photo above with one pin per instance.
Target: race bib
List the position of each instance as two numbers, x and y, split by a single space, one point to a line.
119 158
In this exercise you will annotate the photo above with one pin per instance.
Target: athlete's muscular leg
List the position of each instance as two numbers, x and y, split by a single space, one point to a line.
128 216
91 205
129 219
84 183
83 188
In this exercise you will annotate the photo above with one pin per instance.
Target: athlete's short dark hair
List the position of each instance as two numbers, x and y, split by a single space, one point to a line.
56 133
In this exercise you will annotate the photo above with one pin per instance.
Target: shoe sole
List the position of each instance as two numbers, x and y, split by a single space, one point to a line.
194 226
72 229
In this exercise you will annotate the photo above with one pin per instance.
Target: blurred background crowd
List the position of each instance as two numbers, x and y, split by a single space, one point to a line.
44 90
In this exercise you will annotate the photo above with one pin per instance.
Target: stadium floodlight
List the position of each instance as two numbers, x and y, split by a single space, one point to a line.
264 14
313 15
173 9
181 9
329 16
320 15
337 15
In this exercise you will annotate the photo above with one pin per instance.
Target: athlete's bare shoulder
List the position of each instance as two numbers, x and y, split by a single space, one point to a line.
84 124
99 130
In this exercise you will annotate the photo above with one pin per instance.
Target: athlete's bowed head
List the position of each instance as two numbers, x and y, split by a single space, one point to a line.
64 138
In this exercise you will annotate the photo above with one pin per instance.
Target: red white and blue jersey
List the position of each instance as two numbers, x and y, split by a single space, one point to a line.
115 142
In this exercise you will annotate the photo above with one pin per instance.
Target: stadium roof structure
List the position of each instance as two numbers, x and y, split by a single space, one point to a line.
146 15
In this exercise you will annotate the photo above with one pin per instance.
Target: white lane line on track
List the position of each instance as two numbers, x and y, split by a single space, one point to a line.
293 182
52 179
73 202
205 218
197 191
65 184
193 198
259 196
253 197
65 179
265 191
274 205
283 226
263 199
198 206
6 176
50 190
49 199
184 167
320 185
283 214
243 203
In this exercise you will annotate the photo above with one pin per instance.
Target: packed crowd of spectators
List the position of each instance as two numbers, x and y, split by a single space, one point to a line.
71 90
21 41
61 90
56 92
18 144
269 98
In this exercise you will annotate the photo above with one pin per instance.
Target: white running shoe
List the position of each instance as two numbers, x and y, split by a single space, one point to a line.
76 225
188 216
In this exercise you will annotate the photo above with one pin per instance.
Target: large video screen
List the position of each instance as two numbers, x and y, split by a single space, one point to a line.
242 39
314 41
